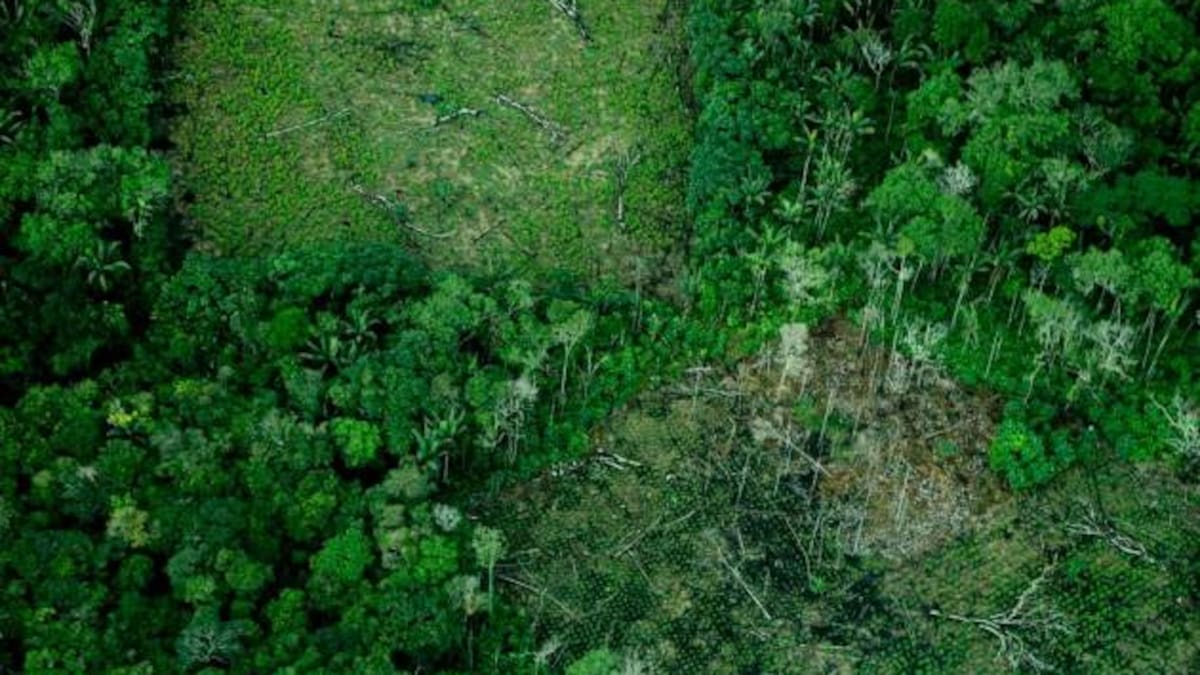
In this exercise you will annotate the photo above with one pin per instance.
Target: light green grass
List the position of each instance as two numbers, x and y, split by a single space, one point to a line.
358 86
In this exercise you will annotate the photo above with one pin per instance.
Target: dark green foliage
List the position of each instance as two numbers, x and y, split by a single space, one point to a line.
82 201
1020 173
279 431
275 464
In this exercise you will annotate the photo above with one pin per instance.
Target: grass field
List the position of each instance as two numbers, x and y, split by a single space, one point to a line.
486 134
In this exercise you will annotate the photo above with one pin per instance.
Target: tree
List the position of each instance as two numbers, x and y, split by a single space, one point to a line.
1019 454
343 559
359 441
208 641
489 547
569 325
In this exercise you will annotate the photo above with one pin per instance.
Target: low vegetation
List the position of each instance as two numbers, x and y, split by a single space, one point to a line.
486 135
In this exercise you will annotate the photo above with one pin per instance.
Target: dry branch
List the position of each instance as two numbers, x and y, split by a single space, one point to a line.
556 131
737 576
615 461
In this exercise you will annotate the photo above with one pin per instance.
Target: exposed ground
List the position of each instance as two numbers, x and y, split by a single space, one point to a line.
732 524
483 133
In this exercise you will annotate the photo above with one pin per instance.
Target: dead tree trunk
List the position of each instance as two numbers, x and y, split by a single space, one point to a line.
624 162
392 207
457 114
556 131
1030 617
570 9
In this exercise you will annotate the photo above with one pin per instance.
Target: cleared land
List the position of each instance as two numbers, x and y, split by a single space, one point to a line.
801 522
486 134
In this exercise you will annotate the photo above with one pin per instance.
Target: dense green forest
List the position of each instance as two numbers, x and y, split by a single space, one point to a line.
599 337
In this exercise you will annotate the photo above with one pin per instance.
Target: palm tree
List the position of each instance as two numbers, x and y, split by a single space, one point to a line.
10 125
103 264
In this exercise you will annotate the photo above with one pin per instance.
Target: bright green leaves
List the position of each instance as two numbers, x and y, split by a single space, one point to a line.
1009 89
934 218
936 106
129 524
1016 119
241 573
1144 31
51 69
600 661
359 441
961 26
1160 279
1051 245
489 545
82 194
1018 453
1104 271
436 561
344 559
453 310
288 330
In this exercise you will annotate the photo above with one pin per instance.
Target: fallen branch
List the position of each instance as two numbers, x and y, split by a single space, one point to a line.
306 125
611 458
737 576
1092 525
541 593
816 464
386 204
1028 615
638 537
461 112
570 9
555 130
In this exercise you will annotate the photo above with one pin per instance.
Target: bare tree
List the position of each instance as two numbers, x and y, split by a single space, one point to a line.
1031 617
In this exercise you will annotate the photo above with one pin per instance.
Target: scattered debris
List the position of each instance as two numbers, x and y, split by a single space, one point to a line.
737 576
